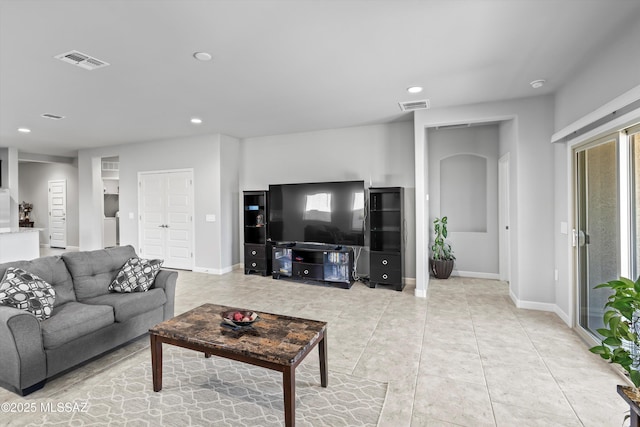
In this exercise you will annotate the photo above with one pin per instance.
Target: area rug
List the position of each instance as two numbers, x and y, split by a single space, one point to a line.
208 392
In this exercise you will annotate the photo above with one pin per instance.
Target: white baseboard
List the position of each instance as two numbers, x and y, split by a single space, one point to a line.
476 275
564 316
541 306
216 271
420 293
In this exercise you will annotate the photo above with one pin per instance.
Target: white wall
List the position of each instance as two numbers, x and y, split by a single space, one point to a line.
202 154
614 70
230 200
4 166
33 179
532 171
482 141
610 73
9 176
378 154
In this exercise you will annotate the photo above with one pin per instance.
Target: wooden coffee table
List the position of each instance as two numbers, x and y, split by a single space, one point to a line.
274 342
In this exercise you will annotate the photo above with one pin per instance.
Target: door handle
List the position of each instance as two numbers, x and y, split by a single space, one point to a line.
583 238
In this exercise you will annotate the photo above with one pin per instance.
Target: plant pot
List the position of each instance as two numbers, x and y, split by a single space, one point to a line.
631 396
441 269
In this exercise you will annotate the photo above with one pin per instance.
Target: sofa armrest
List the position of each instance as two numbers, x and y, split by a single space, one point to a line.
23 361
166 279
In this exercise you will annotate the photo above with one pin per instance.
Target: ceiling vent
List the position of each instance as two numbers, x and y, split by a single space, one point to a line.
81 60
51 116
460 126
423 104
110 166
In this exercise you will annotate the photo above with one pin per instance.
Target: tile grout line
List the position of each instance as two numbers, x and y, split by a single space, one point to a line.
355 365
575 413
415 382
484 374
422 347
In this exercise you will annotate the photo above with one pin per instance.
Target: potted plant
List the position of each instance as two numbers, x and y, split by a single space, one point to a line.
621 336
441 262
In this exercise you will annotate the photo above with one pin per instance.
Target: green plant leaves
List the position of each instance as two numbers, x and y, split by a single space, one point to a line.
612 341
619 334
440 249
635 378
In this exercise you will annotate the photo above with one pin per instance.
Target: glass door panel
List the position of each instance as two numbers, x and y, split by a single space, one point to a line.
634 143
597 229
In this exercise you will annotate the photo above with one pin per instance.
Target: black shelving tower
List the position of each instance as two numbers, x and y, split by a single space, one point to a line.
257 250
386 237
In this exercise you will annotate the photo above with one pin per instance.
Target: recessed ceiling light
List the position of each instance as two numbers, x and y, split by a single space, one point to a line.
24 130
414 89
537 83
196 120
202 56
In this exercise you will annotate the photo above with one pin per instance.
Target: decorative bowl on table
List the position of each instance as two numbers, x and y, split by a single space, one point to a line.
239 317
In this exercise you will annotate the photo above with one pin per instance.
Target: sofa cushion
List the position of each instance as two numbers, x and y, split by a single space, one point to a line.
73 320
128 305
52 270
27 291
136 275
93 271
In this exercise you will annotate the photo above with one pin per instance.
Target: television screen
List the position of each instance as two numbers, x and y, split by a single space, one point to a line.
323 212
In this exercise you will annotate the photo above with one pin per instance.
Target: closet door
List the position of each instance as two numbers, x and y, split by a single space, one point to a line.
178 222
58 214
166 218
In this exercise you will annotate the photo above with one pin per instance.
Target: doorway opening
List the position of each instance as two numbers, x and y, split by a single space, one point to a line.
110 174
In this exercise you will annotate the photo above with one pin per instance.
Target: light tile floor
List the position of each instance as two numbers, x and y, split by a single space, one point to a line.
464 356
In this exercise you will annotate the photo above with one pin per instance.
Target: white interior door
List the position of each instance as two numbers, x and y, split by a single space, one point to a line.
58 214
503 219
151 215
178 224
166 218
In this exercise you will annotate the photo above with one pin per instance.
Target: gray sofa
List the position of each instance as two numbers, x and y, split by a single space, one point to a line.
87 320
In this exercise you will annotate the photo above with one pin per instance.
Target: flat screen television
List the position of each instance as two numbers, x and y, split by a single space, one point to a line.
321 212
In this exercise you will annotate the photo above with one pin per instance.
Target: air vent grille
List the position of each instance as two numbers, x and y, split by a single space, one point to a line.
422 104
81 60
460 126
111 166
52 116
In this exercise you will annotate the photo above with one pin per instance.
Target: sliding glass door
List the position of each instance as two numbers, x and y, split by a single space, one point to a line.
597 228
634 145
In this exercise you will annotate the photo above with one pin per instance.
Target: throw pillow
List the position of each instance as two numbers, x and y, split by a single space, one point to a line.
26 291
136 275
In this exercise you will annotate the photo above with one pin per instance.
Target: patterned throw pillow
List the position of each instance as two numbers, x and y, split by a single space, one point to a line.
136 275
26 291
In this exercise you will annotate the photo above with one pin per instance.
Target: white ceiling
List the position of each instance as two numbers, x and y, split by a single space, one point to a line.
278 66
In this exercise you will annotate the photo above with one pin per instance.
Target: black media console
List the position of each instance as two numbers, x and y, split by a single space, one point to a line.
326 263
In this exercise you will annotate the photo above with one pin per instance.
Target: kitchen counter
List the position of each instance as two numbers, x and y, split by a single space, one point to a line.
21 243
19 230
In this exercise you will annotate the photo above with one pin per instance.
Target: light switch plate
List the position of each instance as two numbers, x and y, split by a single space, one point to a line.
564 228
